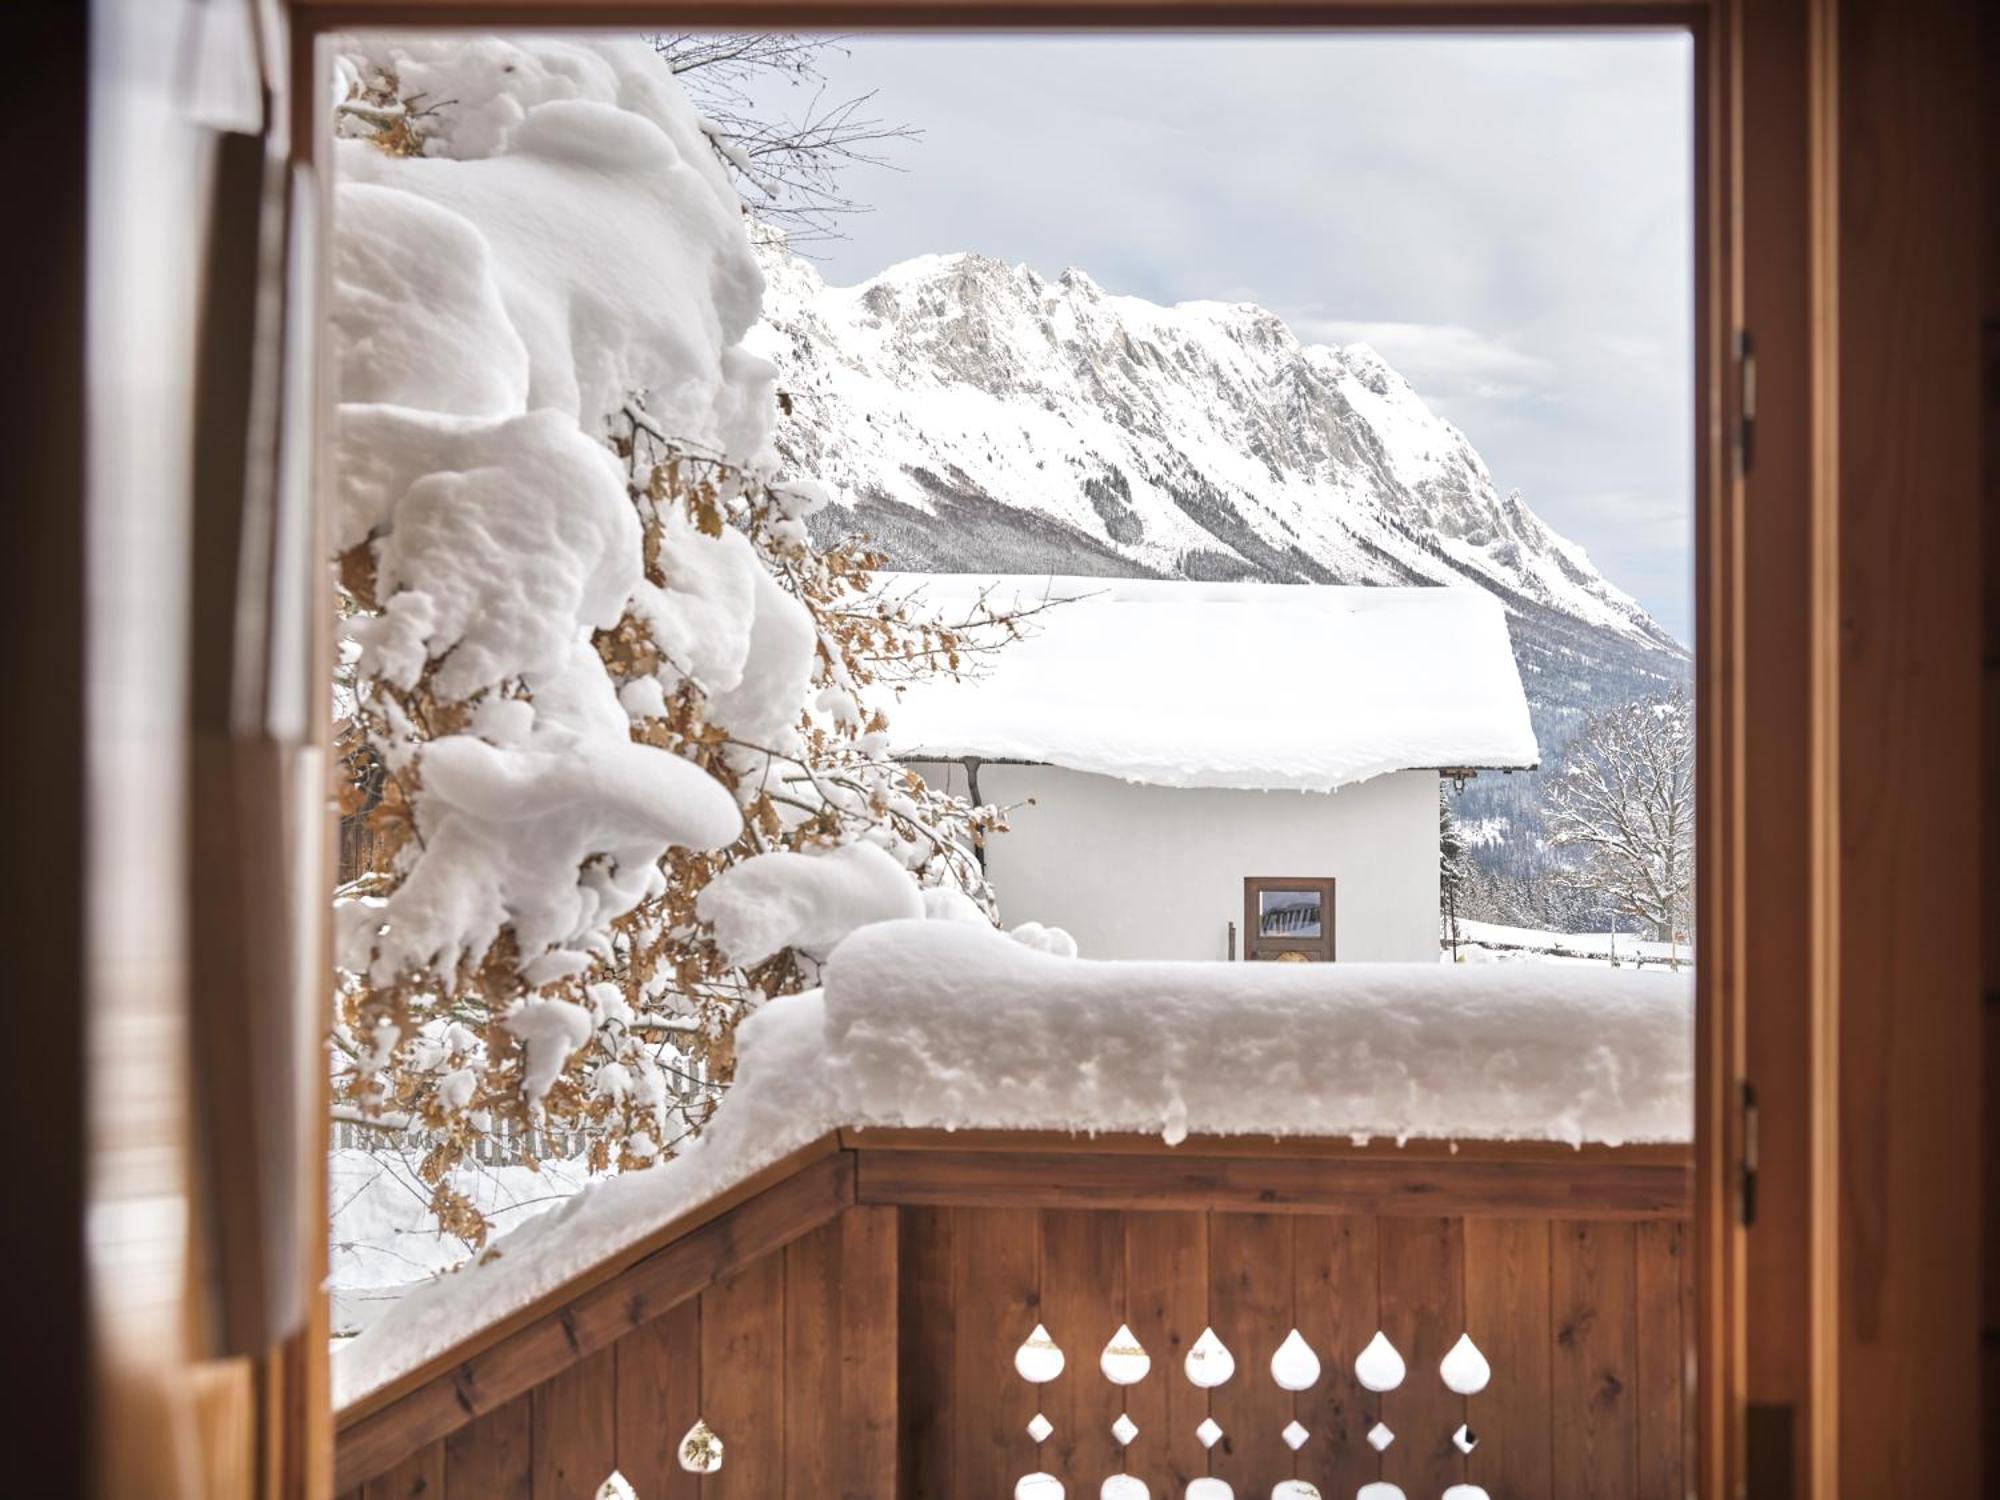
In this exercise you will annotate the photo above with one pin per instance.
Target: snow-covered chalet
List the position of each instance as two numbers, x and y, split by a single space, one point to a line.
1220 771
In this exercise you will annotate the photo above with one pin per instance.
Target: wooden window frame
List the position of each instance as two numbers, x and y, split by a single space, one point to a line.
1719 581
1260 949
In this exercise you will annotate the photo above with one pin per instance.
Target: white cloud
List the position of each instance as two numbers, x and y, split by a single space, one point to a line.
1444 361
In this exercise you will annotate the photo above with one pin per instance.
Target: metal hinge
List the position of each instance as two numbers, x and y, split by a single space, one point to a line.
1746 1169
1746 421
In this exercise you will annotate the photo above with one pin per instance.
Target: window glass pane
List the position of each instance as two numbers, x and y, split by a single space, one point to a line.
1293 914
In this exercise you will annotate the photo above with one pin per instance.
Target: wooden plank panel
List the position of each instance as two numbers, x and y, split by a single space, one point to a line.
811 1370
223 1396
1423 1313
659 1399
1603 1187
1083 1301
1660 1358
1250 1308
420 1476
996 1291
498 1372
1320 1148
823 1154
1334 1271
1690 1360
868 1354
1166 1304
926 1341
1593 1426
491 1458
574 1441
1905 625
742 1380
1507 1314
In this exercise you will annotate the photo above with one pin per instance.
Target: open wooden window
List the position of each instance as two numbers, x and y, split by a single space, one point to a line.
1841 311
1288 919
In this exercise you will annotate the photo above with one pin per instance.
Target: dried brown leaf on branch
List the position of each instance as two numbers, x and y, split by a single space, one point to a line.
664 1000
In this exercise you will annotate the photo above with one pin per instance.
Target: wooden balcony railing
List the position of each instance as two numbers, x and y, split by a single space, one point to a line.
850 1328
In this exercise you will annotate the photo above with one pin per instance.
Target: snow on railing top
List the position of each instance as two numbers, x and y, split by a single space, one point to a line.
948 1025
943 1024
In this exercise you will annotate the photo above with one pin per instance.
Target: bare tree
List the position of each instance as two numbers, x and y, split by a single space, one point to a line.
790 162
1454 866
1624 800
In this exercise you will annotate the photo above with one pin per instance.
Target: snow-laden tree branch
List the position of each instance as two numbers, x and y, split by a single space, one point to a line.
791 164
614 755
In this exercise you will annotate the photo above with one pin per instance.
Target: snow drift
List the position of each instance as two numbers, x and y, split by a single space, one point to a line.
941 1025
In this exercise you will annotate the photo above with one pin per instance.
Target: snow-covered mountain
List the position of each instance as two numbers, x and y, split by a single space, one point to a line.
976 416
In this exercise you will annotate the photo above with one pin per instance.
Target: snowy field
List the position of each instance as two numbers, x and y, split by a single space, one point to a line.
1492 942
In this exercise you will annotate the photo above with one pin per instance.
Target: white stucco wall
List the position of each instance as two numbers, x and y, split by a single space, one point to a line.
1157 872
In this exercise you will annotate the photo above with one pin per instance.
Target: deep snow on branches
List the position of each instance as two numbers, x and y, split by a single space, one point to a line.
592 662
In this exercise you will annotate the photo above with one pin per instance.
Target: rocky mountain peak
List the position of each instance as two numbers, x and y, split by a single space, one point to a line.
975 414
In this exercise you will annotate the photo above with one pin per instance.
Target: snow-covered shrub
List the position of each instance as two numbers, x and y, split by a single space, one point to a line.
612 763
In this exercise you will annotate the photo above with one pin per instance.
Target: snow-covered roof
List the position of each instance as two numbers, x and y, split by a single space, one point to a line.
1247 685
950 1024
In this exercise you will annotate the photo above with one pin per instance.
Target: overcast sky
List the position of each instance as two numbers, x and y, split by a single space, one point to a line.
1506 219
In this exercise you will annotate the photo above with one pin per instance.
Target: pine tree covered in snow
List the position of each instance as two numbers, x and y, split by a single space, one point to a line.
1623 804
612 722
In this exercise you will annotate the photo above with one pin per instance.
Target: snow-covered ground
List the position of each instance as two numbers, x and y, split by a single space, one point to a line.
1494 942
385 1238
